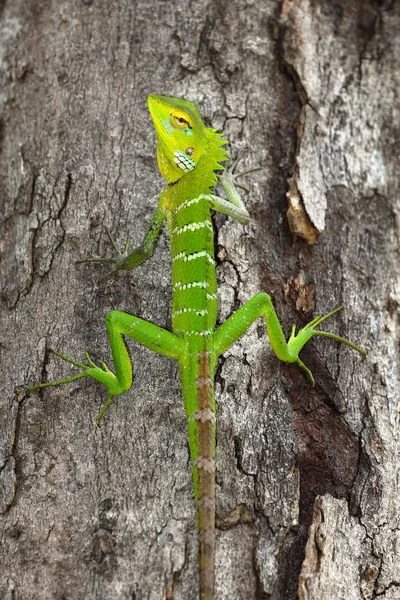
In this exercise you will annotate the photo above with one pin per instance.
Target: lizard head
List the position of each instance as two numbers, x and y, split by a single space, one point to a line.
182 137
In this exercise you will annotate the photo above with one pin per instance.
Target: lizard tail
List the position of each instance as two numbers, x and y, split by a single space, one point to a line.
204 467
206 547
200 409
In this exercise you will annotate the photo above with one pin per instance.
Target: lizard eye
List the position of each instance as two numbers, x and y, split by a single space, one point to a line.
180 121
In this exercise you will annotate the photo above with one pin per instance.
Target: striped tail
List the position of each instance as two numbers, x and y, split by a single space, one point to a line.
204 473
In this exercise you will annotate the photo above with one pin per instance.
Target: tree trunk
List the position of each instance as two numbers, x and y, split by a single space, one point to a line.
308 479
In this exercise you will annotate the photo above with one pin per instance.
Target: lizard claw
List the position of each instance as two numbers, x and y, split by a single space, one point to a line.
118 261
231 174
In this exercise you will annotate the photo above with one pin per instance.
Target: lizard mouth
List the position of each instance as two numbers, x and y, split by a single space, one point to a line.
161 124
160 120
155 105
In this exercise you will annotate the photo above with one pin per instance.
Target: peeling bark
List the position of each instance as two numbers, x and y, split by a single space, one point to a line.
308 479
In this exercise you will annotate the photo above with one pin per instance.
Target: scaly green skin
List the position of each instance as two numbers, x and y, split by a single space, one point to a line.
188 156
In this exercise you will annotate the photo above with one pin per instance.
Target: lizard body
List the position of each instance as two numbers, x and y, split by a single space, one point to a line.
188 155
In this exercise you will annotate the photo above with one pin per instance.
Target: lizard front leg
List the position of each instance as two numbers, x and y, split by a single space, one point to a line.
129 260
233 206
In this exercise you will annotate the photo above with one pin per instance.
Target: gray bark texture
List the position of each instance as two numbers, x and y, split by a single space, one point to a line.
308 486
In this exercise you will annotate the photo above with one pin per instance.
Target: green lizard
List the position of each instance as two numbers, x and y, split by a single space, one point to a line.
188 155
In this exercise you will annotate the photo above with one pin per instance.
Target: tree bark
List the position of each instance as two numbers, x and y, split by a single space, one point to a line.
308 479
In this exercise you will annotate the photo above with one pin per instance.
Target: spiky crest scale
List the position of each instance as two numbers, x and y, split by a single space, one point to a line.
214 155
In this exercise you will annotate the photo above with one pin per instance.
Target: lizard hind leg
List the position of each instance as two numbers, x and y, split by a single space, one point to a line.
307 370
84 372
39 386
101 374
310 327
121 324
287 351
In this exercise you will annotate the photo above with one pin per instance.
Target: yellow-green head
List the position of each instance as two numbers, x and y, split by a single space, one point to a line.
183 139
